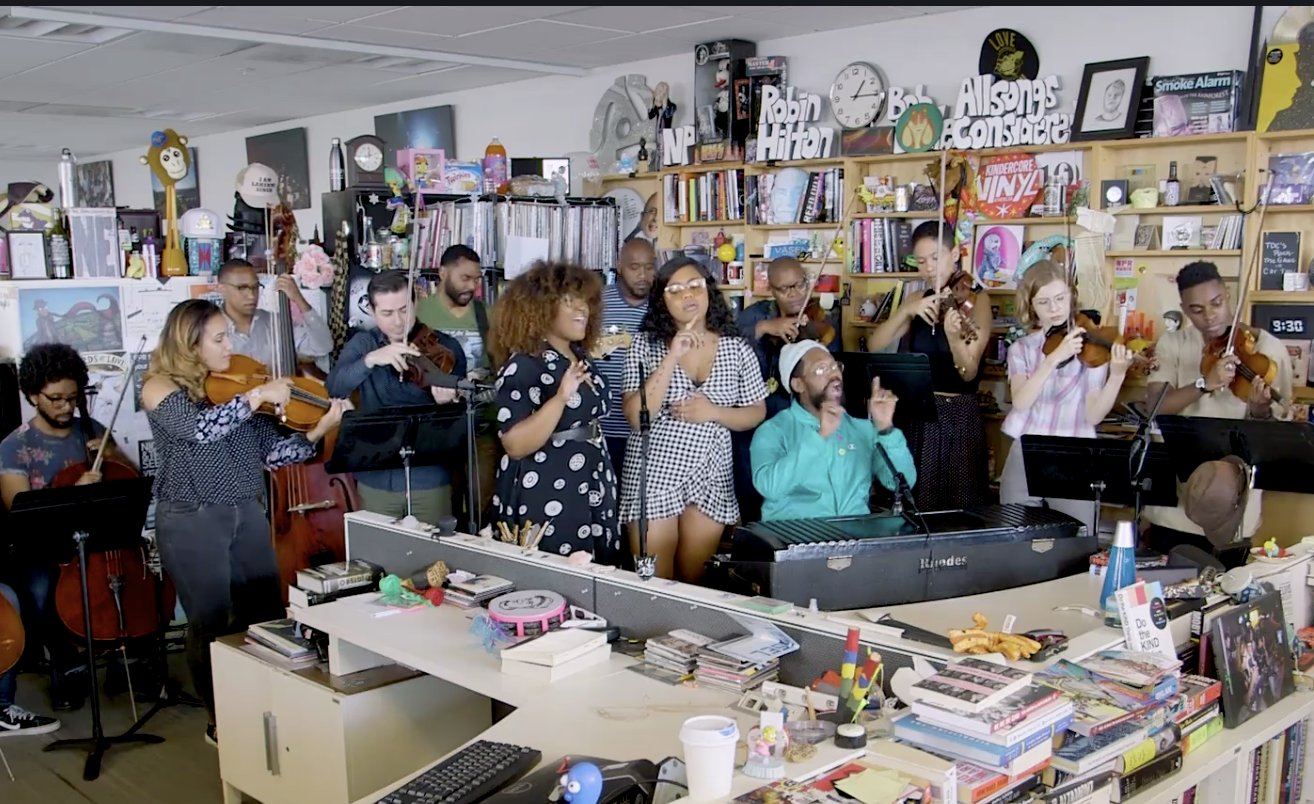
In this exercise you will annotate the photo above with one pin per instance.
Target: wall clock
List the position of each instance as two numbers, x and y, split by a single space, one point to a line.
857 95
365 158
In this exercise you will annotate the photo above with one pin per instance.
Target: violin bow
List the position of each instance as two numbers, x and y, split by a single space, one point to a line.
1262 203
939 231
118 405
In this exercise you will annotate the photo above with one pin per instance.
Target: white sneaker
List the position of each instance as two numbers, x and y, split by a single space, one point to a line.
15 720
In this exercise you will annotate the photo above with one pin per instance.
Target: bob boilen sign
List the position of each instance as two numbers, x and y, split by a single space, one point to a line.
990 113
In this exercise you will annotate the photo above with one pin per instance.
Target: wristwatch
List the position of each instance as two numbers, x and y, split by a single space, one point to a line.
1202 385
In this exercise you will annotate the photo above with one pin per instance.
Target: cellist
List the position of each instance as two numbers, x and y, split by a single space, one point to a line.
53 378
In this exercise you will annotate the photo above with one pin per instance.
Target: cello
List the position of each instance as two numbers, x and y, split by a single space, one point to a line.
306 502
11 635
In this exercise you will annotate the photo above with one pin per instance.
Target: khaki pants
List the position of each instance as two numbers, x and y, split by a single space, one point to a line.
426 504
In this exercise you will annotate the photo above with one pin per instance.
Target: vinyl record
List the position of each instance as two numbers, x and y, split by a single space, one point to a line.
1287 29
1009 55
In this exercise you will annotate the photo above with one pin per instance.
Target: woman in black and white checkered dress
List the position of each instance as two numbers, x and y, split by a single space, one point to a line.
702 380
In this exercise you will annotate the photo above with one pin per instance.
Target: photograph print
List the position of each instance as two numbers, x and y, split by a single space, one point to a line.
285 153
1253 656
95 182
188 191
1110 95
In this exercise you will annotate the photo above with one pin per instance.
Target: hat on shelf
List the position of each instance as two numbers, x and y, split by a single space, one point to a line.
1215 498
791 355
201 223
258 185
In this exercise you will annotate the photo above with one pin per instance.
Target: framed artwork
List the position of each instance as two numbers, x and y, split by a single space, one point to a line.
1110 96
433 128
188 190
284 152
95 182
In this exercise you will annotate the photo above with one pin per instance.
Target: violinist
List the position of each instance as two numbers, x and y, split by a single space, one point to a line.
1209 307
1054 394
53 378
210 519
251 329
950 323
371 364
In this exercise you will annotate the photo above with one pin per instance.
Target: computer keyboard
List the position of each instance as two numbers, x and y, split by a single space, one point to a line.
471 775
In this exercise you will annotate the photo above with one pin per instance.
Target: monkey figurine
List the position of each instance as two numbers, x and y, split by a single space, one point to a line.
170 161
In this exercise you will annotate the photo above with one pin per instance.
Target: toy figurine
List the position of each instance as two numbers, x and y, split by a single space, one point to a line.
663 112
1272 550
767 743
583 783
643 156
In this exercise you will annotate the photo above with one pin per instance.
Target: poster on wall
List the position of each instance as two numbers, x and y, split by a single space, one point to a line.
95 182
434 128
284 152
87 318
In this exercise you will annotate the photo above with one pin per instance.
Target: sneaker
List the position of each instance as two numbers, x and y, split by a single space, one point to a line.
212 735
15 719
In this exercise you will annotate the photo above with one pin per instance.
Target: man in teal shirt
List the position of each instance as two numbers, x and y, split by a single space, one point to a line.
813 460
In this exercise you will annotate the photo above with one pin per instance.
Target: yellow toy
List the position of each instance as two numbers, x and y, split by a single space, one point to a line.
978 641
170 161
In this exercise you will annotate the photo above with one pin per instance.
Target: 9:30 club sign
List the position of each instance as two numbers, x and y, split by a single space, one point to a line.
1284 321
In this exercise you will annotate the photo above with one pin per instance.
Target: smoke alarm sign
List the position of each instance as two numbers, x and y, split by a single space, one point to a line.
1008 185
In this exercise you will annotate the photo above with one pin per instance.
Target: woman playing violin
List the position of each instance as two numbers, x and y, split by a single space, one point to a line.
950 323
371 364
1054 394
210 519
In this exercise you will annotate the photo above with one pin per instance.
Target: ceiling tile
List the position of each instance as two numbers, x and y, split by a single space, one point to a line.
165 13
248 19
636 19
95 68
539 12
17 55
291 55
455 80
829 18
612 51
345 13
446 20
383 36
172 43
527 37
747 28
193 83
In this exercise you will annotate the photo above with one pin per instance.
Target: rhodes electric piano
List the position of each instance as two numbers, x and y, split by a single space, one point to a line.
880 560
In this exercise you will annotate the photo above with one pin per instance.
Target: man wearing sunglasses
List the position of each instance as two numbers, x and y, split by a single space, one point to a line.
251 329
814 460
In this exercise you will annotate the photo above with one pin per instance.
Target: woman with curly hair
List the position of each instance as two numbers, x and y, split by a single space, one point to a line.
556 471
701 380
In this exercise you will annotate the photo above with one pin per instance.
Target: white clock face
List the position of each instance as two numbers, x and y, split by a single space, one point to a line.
368 157
857 96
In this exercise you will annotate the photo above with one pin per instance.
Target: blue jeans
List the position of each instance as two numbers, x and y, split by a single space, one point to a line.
40 582
9 680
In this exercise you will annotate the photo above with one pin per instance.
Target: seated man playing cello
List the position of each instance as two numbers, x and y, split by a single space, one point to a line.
814 460
53 378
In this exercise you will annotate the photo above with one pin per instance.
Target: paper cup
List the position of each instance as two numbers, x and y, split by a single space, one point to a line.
709 755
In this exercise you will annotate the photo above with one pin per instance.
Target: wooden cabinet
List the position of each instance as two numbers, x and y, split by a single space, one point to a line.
294 736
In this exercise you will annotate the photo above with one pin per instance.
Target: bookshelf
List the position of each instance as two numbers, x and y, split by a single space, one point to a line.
703 210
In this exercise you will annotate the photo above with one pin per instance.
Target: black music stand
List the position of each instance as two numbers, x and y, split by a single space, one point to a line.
400 438
99 517
907 375
1281 453
1099 470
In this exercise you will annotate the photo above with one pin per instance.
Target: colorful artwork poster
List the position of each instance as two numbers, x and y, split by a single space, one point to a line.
998 249
89 319
1008 185
208 291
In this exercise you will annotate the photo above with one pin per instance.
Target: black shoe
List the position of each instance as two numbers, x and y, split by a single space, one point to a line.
68 692
17 720
212 735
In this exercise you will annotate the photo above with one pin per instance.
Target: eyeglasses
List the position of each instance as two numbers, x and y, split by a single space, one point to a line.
677 289
823 369
59 401
244 288
791 290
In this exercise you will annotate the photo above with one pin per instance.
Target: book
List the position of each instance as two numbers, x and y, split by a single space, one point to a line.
933 738
971 685
1015 709
1161 766
552 673
555 647
1253 657
283 636
1144 617
1100 704
1137 669
329 578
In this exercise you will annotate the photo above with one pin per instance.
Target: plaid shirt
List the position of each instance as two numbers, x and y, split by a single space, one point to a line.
1060 409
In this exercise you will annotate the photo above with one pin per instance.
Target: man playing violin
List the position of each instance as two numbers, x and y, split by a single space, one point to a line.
1208 306
372 364
53 378
815 460
251 329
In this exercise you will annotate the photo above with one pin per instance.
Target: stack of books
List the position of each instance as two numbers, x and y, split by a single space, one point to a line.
724 670
281 642
991 721
329 582
476 591
676 652
556 654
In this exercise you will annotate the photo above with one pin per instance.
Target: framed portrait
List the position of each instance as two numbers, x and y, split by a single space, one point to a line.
1110 96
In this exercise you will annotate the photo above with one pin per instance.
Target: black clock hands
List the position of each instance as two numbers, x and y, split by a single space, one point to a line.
860 86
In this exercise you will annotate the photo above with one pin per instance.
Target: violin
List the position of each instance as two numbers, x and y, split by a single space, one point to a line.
308 403
433 361
1241 341
960 297
11 635
812 326
1097 342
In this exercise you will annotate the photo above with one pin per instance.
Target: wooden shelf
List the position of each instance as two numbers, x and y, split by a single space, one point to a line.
764 167
706 167
1279 209
1239 137
887 275
736 222
1280 297
858 216
786 226
1178 252
1031 220
1196 209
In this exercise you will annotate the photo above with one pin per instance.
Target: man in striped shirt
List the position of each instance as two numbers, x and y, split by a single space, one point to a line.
624 304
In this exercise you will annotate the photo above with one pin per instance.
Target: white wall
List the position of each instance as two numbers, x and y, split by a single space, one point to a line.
553 115
45 171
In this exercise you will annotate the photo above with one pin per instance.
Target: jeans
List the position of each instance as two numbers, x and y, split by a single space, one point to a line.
9 680
223 565
40 584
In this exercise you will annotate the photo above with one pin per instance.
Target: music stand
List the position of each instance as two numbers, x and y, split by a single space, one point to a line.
907 375
99 517
1281 454
400 438
1099 470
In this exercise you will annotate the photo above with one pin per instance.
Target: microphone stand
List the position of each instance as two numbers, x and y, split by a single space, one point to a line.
645 566
1141 450
903 496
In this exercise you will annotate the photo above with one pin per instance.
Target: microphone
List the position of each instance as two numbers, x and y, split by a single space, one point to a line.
442 379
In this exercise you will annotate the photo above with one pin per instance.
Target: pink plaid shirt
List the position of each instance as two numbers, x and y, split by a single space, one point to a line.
1060 409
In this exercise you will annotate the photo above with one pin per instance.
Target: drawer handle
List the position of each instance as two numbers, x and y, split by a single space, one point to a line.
271 743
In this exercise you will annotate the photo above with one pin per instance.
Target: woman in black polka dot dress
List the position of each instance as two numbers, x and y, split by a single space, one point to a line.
556 469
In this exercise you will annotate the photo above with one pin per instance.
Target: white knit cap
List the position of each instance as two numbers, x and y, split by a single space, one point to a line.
791 355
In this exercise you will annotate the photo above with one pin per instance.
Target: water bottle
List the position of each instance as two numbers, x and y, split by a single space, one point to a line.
1121 571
